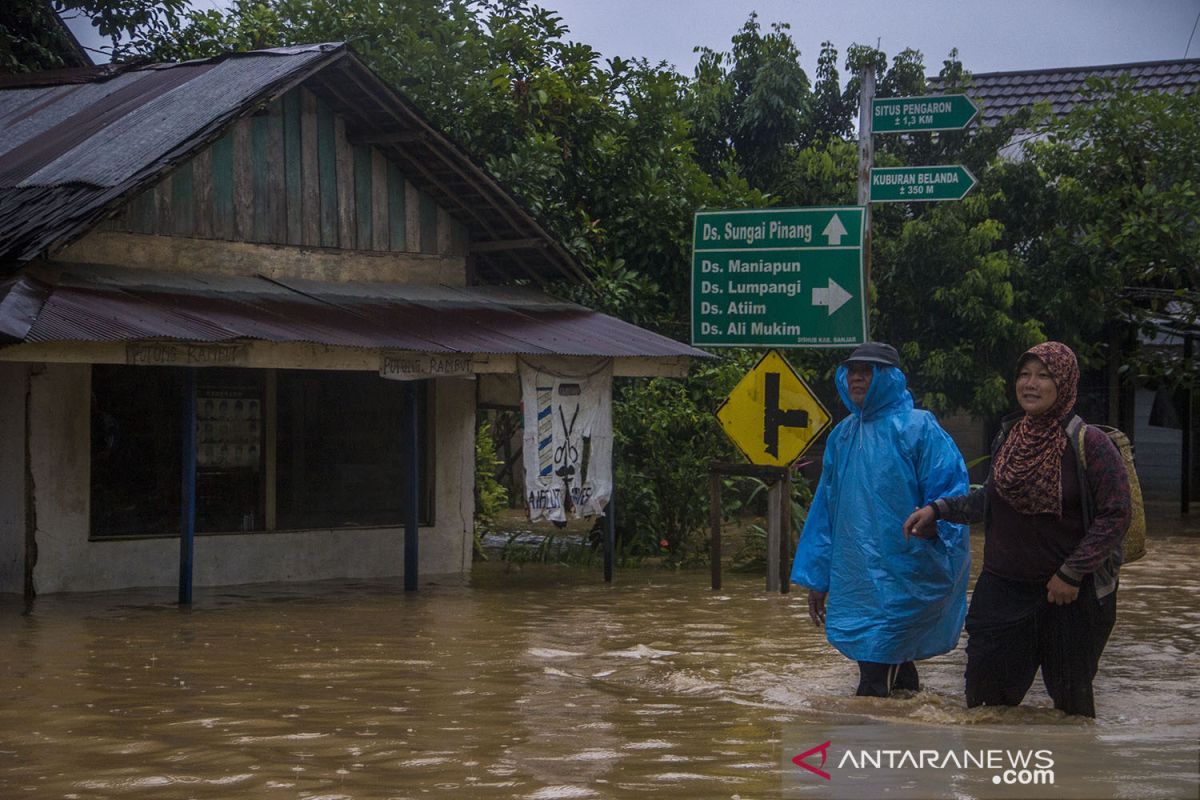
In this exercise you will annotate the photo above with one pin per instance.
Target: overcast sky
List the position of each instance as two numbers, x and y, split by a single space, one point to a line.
991 35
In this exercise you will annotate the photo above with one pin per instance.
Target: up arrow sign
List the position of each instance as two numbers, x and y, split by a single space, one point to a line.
833 296
834 231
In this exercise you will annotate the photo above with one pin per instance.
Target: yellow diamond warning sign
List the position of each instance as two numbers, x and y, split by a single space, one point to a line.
772 415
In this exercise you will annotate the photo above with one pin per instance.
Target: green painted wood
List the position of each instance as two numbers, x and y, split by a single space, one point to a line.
276 192
363 190
379 202
327 171
347 227
291 165
260 186
396 213
459 239
243 177
429 226
202 193
310 180
162 196
143 213
183 200
222 187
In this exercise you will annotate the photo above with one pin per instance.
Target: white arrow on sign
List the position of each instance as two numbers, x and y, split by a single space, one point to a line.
834 232
833 296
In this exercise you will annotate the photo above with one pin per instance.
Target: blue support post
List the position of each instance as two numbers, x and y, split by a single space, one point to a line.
187 505
412 505
610 532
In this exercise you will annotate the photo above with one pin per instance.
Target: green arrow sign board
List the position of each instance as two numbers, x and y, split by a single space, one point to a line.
779 277
909 184
949 112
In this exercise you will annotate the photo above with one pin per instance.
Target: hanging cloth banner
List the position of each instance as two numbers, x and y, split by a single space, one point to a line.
567 410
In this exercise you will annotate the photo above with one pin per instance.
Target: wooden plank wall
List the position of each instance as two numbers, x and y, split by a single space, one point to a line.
288 176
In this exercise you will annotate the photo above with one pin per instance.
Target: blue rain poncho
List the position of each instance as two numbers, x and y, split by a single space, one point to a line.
891 599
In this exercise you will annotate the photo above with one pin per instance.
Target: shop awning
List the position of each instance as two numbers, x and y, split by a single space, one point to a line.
45 306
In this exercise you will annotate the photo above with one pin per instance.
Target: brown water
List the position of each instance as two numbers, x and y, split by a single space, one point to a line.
539 683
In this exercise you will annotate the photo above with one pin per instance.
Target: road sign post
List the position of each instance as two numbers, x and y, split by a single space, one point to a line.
779 277
949 112
920 184
773 417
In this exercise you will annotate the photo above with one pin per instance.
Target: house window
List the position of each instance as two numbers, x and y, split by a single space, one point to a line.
341 450
136 449
338 448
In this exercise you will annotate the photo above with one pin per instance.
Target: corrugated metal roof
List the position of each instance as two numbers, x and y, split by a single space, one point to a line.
1001 94
73 150
129 305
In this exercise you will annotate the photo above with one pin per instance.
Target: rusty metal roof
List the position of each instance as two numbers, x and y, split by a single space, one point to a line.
130 305
1001 94
76 144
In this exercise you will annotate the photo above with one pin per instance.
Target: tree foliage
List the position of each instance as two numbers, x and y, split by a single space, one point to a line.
1092 227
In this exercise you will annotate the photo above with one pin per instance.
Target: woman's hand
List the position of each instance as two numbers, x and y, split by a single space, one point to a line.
921 523
1060 592
816 606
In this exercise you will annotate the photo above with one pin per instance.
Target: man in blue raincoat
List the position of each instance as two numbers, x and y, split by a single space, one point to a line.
891 599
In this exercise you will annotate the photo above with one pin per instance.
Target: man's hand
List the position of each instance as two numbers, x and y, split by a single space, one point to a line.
816 606
921 523
1058 592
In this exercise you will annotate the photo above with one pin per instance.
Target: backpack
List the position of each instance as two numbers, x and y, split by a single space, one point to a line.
1135 536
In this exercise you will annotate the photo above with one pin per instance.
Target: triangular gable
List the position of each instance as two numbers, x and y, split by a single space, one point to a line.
75 149
288 175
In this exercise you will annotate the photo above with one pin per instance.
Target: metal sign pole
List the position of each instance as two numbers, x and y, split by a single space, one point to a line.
610 533
866 159
774 534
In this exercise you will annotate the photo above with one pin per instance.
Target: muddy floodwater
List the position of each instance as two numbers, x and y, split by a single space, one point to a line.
536 683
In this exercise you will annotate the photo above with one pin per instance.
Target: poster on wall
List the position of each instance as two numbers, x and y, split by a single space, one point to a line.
567 412
228 429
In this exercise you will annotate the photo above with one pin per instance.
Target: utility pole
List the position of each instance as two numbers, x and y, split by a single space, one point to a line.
866 160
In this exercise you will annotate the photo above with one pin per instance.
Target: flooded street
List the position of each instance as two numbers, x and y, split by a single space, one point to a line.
533 683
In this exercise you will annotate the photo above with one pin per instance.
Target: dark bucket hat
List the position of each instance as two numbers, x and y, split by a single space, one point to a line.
875 353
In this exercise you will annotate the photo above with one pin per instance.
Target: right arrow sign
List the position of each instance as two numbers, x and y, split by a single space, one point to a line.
909 184
832 297
930 113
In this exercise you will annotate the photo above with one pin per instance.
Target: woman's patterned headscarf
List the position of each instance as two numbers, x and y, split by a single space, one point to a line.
1028 468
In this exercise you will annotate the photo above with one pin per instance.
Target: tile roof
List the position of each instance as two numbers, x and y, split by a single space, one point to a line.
76 144
1000 94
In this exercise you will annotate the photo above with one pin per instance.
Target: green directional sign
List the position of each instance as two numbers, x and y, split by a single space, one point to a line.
949 112
914 184
778 277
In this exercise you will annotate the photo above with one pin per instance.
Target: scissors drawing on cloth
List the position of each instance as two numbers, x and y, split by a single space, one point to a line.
566 448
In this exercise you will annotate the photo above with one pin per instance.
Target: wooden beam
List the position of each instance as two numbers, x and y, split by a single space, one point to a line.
302 355
399 137
180 254
507 244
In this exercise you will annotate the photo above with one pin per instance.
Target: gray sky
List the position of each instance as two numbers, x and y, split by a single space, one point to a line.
991 35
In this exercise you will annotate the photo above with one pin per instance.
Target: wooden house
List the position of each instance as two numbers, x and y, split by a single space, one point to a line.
208 272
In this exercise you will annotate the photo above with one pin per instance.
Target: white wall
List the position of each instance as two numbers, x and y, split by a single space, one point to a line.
69 562
1157 452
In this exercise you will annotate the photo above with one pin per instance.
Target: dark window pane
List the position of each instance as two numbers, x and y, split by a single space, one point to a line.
341 450
137 450
136 441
